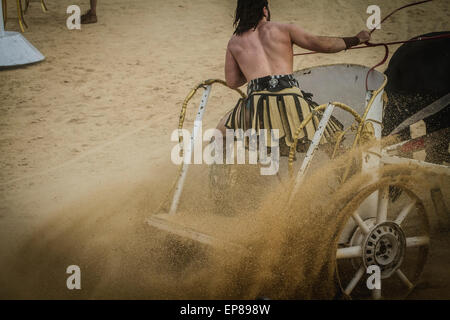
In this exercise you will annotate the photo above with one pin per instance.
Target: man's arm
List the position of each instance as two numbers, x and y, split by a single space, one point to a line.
322 44
233 74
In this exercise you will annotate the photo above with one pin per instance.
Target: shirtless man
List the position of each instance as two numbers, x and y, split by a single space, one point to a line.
261 53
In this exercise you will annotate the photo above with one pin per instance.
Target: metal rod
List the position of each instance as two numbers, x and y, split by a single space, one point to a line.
359 274
426 112
348 253
435 168
404 213
2 24
362 225
312 149
404 279
414 242
383 201
188 153
22 22
43 6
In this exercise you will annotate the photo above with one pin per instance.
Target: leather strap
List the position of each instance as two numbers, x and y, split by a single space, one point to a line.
351 42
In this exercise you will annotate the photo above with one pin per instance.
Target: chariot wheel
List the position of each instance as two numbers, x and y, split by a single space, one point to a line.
386 236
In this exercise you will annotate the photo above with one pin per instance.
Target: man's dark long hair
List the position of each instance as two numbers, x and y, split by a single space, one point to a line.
248 14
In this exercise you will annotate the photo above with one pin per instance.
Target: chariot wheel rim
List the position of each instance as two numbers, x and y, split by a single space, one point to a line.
381 241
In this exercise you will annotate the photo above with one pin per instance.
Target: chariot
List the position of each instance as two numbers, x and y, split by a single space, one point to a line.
387 225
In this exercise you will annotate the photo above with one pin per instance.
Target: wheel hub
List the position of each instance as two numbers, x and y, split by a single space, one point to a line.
385 246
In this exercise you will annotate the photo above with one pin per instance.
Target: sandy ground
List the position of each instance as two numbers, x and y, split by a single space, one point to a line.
97 114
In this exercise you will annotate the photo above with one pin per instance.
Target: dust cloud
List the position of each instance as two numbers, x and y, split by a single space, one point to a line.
288 250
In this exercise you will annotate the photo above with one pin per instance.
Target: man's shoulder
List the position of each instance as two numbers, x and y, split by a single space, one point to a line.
276 29
276 25
267 26
234 38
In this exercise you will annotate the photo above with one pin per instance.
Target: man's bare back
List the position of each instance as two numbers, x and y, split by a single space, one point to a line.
267 49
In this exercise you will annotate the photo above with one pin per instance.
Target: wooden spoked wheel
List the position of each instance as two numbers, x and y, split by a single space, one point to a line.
393 238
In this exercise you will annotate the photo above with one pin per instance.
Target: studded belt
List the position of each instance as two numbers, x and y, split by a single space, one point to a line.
272 83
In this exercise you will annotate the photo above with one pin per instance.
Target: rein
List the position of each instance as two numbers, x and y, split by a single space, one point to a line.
387 44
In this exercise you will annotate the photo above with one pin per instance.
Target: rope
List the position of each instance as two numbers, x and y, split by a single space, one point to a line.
398 9
386 56
386 47
442 36
374 29
387 44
